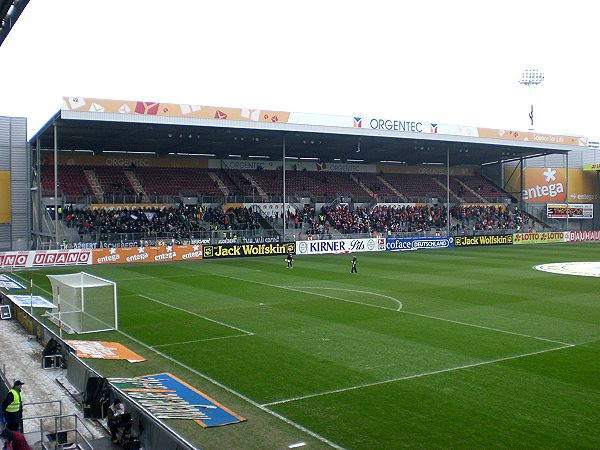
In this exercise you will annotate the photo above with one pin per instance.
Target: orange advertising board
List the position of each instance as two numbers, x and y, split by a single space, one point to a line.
147 254
4 197
549 185
172 109
104 350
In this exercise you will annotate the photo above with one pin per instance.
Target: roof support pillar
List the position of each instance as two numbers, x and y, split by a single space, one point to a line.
447 191
56 184
284 213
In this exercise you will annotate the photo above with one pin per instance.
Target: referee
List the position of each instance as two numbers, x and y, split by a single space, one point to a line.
353 269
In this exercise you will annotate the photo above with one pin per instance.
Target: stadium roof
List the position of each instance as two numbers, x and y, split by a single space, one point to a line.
161 128
10 10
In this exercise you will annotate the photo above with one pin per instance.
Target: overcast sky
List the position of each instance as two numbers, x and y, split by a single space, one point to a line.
452 62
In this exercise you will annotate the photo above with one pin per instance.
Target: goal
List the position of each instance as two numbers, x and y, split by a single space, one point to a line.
84 303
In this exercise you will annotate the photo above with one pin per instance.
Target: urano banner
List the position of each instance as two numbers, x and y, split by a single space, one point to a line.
408 244
488 239
238 250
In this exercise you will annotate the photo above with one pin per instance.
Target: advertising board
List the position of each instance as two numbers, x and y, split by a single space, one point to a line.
407 244
44 258
583 236
489 239
239 250
147 254
320 247
576 210
544 237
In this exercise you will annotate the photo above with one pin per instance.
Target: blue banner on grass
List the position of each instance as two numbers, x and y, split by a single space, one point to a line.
7 282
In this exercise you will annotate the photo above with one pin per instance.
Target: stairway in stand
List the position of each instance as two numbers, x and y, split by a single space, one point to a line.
254 184
94 182
219 182
362 185
137 185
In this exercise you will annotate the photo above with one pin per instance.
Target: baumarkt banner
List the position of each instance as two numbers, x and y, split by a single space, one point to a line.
238 250
544 237
491 239
147 254
583 236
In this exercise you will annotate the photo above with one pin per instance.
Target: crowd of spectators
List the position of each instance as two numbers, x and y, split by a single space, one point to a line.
177 221
382 219
489 217
385 219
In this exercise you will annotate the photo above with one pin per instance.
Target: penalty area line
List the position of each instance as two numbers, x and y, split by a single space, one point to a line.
203 340
197 315
418 375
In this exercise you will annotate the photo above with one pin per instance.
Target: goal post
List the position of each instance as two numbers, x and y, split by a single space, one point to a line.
86 303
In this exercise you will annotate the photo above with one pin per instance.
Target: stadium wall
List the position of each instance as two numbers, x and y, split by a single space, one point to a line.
15 205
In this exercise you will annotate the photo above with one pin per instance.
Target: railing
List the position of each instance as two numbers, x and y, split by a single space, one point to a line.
62 435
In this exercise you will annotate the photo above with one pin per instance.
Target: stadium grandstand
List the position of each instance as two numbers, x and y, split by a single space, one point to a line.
119 171
10 10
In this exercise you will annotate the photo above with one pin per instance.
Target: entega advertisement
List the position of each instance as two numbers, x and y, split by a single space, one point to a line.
490 239
238 250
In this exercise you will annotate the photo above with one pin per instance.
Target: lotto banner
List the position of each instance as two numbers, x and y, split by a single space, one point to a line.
147 254
4 197
340 246
545 237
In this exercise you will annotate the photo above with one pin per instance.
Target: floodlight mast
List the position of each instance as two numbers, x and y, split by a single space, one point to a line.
530 78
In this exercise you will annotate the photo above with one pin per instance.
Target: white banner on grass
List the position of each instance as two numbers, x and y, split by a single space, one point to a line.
26 301
7 282
340 246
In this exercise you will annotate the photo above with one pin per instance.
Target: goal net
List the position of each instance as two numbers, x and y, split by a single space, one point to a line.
84 303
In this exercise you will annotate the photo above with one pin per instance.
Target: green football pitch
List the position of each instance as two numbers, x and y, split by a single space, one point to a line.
458 348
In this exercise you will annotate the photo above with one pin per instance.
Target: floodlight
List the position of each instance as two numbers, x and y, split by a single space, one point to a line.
530 78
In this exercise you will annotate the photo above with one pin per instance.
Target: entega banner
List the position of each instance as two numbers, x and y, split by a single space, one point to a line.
237 250
490 239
